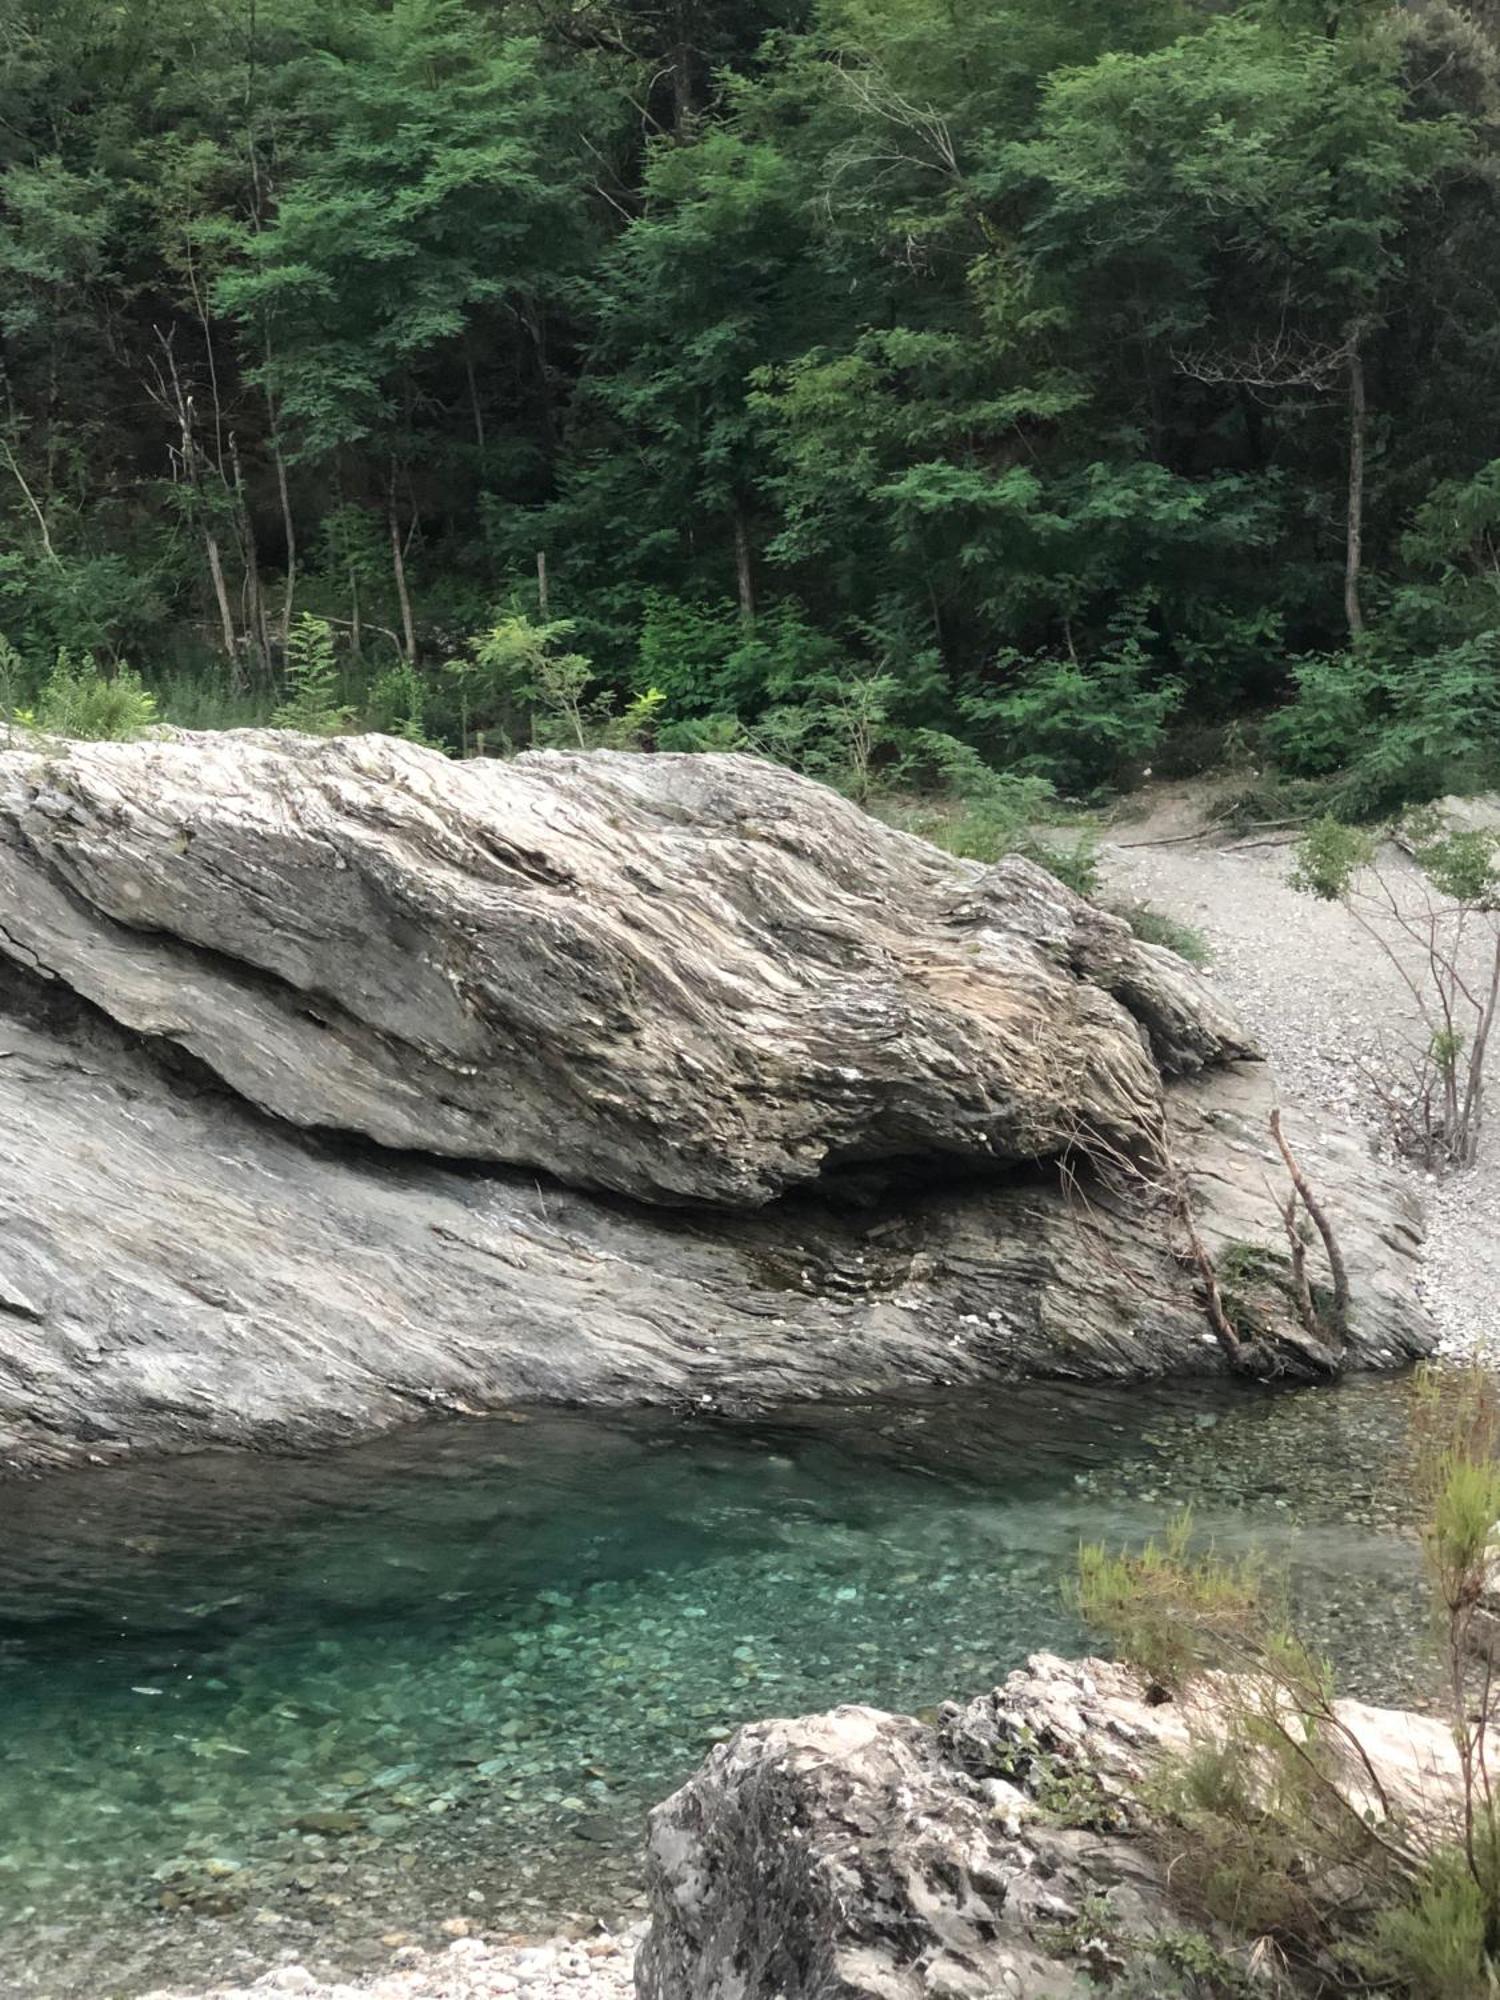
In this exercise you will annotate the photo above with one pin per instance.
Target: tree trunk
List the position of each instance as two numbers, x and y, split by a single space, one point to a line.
744 567
1354 540
543 593
255 607
290 530
475 411
682 88
398 567
226 615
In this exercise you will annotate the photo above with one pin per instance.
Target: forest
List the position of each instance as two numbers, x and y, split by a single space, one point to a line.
998 396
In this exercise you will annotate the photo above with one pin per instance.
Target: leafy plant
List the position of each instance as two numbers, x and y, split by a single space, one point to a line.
398 703
78 699
312 705
1154 926
1079 726
1172 1611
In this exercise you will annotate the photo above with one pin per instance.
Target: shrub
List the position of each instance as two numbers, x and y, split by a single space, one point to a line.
1434 1943
77 699
1079 726
398 704
1153 926
1326 726
1171 1612
1394 729
834 726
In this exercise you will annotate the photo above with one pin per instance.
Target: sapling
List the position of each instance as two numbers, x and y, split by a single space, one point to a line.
1438 924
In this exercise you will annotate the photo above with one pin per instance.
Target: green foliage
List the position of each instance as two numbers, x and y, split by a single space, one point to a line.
1169 1610
397 704
863 371
1328 858
78 699
974 810
312 680
1153 926
1435 1943
1395 727
1462 864
518 679
1078 726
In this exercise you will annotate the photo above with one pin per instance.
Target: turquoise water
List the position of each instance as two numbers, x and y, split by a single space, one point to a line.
258 1708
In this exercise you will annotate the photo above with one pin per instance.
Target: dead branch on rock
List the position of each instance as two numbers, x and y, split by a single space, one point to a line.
1319 1218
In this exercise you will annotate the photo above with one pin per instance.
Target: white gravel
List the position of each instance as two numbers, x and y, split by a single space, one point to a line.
600 1968
1326 1005
1321 1000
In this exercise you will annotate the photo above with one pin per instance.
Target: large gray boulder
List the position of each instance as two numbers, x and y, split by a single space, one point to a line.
851 1856
177 1269
200 1244
685 979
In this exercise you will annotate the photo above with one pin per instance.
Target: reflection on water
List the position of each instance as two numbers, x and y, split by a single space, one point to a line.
256 1708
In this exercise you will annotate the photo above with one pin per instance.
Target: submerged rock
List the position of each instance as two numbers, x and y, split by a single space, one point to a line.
228 964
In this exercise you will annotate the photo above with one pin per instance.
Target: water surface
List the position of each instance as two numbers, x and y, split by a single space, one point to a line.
263 1708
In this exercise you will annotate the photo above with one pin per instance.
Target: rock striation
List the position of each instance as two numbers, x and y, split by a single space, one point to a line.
340 1083
682 979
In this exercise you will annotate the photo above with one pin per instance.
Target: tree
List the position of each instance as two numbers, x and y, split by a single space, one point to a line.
432 199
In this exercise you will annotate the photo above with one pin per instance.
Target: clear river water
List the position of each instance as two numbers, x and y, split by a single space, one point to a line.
264 1708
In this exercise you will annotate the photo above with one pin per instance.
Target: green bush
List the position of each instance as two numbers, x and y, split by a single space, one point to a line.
1080 726
1394 729
1434 1944
1171 1610
78 699
397 704
1153 926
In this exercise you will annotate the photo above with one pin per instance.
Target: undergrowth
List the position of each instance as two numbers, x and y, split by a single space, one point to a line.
1273 1824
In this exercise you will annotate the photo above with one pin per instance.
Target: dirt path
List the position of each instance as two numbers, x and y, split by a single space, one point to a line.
1323 1002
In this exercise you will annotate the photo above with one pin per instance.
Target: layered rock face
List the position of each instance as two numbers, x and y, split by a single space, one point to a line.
339 1082
678 978
864 1856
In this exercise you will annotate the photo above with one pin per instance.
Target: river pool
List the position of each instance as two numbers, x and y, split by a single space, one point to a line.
266 1708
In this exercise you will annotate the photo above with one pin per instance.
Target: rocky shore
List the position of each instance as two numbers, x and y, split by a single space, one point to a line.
597 1968
877 1857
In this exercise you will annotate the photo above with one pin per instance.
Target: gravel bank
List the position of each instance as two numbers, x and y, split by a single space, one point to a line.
564 1969
1327 1007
